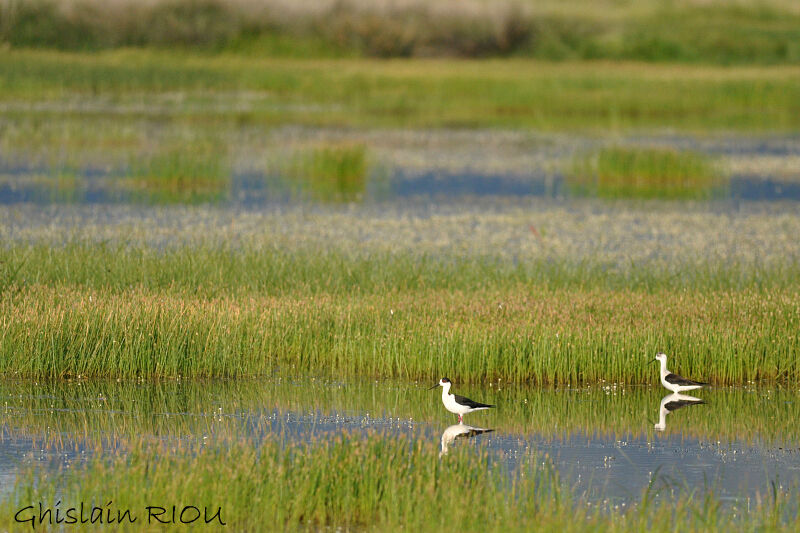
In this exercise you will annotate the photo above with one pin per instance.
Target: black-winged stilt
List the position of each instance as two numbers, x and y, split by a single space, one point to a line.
673 402
674 382
458 404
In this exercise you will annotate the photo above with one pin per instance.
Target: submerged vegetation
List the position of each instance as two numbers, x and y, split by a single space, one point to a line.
631 172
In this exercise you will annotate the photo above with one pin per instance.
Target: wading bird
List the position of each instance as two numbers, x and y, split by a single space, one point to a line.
458 404
674 382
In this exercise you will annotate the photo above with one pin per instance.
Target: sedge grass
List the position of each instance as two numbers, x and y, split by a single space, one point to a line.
283 267
522 333
330 173
201 293
628 172
367 482
186 176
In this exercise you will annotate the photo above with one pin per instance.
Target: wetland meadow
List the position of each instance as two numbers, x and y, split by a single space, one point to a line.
239 241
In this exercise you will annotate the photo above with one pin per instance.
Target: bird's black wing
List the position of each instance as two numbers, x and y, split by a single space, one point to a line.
475 431
675 379
677 404
470 403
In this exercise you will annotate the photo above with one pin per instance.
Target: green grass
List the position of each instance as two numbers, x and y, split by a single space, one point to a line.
521 333
218 271
631 172
722 34
188 175
330 173
163 292
405 93
373 483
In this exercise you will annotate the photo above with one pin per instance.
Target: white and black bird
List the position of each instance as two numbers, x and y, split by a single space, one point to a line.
459 431
458 404
674 382
673 402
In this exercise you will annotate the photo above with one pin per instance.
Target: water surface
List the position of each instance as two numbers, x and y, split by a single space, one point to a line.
438 165
601 439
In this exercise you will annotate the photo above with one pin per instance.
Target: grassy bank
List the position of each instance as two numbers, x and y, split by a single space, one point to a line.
373 483
232 90
521 333
711 32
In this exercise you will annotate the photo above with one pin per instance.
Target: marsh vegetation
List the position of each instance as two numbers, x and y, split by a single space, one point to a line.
238 90
235 241
356 481
364 453
330 173
686 31
626 172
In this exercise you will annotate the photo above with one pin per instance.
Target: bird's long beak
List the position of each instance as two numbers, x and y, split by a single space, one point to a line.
653 361
434 387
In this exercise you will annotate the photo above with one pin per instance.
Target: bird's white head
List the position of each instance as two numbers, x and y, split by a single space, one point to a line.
661 357
444 382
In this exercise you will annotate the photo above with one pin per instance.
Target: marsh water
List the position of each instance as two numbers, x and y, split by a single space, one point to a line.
443 166
603 440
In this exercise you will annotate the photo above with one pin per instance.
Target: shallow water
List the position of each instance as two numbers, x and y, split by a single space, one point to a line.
438 165
601 439
255 190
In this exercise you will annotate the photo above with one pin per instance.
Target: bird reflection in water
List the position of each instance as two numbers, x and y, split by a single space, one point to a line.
673 402
459 431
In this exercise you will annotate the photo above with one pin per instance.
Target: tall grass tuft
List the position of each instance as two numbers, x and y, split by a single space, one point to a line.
331 173
178 175
631 172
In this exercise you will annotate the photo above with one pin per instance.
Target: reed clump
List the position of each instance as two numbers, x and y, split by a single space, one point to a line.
632 172
178 175
330 173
